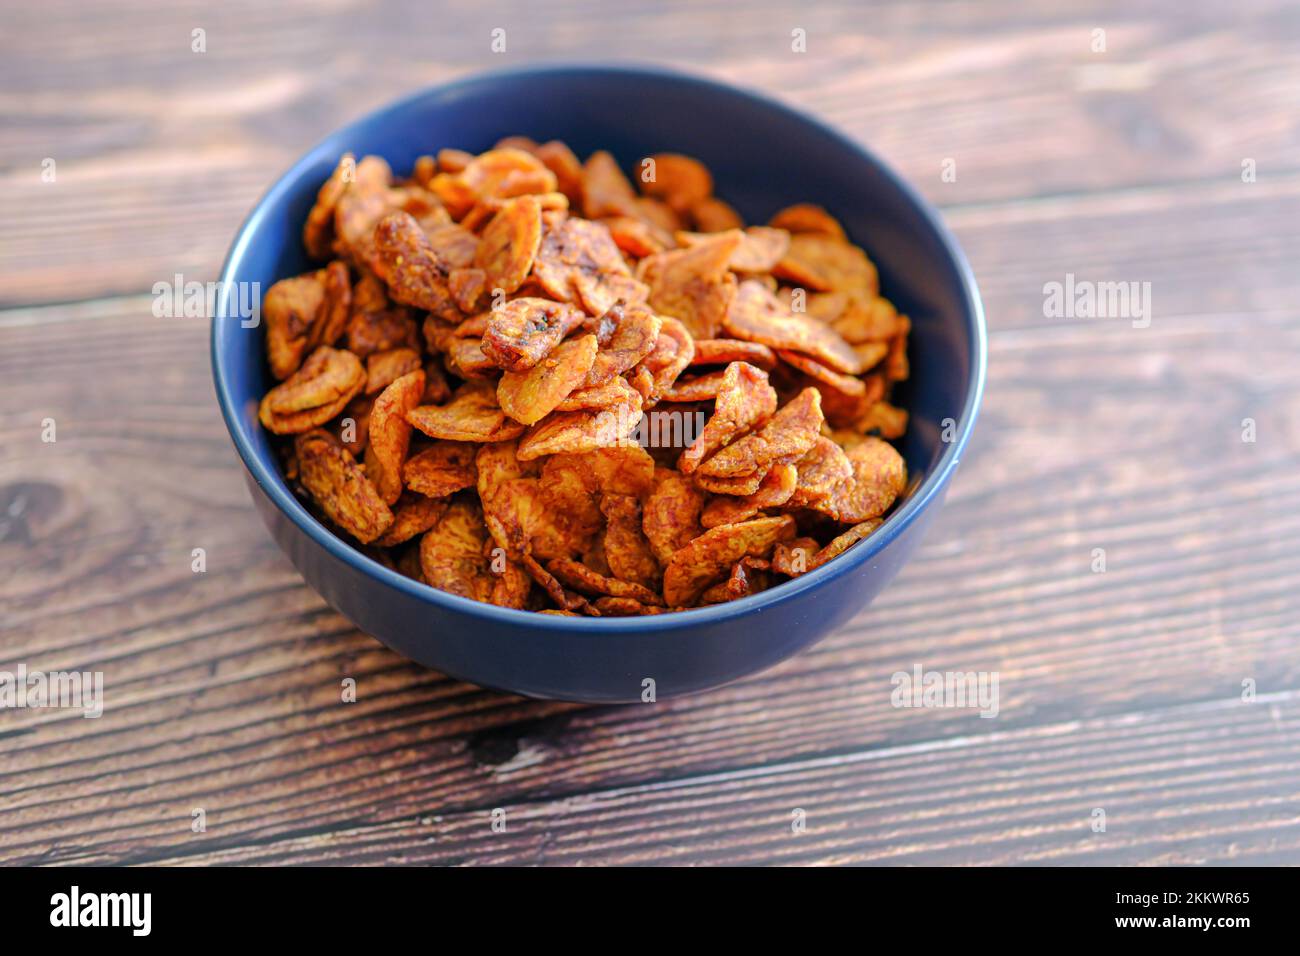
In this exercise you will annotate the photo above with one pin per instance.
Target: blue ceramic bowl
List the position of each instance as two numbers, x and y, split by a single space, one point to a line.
763 156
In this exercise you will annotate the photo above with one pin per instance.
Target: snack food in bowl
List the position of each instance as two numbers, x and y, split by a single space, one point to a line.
516 380
660 384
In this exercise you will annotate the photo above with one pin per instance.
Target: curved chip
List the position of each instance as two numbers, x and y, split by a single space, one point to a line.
824 263
879 477
788 434
726 351
472 415
704 559
775 489
451 553
627 551
714 215
336 482
614 392
636 330
581 578
580 431
291 309
390 433
843 542
510 243
756 315
744 401
530 396
671 515
442 469
579 259
680 181
318 230
412 515
605 190
384 368
806 217
820 471
674 349
416 276
311 396
524 330
759 250
694 284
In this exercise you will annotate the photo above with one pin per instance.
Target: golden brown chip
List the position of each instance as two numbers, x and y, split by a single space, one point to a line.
452 553
744 401
472 415
467 287
823 263
627 552
412 515
843 542
511 585
580 431
318 230
384 368
568 601
559 159
759 250
674 349
748 576
371 332
579 260
823 468
530 396
523 331
605 190
336 482
625 607
442 469
510 244
738 485
694 284
726 351
879 476
581 578
505 173
365 200
714 215
704 559
291 308
671 515
635 331
787 435
416 276
884 419
775 489
807 218
614 392
698 388
352 427
390 434
757 316
637 237
845 385
792 558
311 396
680 181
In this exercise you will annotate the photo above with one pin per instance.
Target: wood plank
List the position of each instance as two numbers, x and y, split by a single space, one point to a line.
1216 783
223 687
157 166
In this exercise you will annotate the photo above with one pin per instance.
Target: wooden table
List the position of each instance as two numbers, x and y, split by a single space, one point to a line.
1120 691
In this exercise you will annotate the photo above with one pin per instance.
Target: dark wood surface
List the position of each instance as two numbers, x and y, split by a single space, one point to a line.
1120 691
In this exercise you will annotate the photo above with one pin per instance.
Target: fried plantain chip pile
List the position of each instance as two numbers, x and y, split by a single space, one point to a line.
519 378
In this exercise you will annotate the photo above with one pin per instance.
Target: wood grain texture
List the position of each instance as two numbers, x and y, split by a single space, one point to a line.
1119 690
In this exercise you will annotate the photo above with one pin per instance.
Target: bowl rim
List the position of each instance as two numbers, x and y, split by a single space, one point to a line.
273 485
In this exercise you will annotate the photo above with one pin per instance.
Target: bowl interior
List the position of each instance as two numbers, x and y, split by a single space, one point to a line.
763 156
